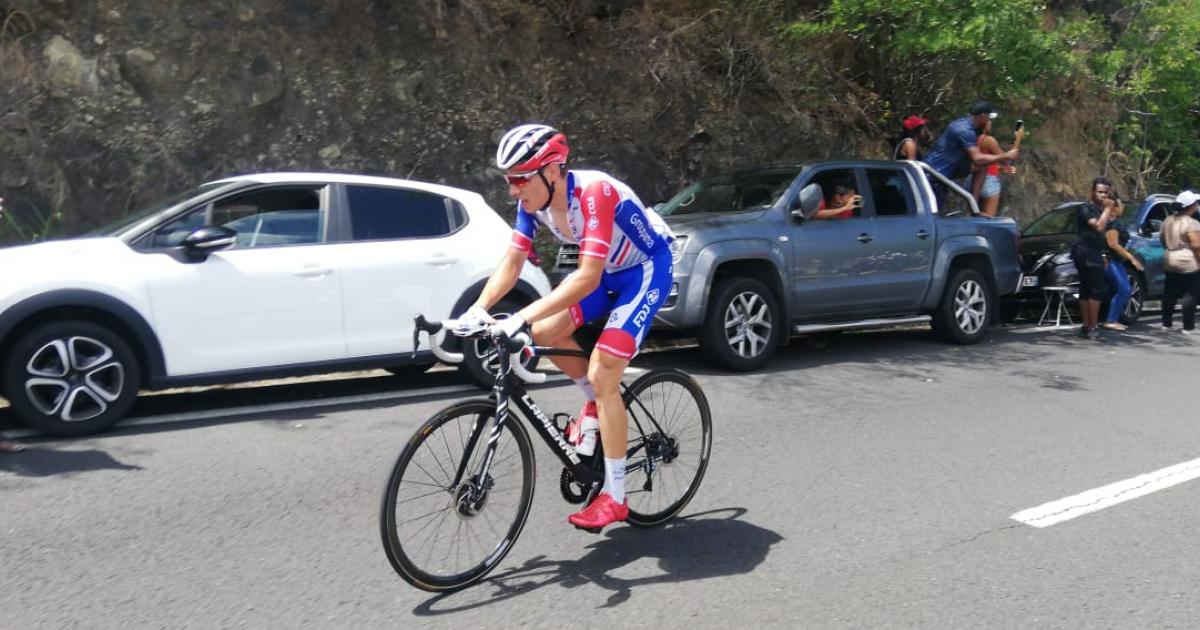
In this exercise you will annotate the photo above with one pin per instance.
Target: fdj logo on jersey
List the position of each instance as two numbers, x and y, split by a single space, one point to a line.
642 314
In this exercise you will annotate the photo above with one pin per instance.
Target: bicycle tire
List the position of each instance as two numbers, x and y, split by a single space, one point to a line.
686 424
402 550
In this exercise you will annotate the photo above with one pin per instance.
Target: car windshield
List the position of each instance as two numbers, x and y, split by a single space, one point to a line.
135 217
730 193
1058 221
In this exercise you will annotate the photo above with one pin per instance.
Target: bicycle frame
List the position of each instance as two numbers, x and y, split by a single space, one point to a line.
508 388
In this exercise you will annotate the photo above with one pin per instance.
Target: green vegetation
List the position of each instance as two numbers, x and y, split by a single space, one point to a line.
1135 67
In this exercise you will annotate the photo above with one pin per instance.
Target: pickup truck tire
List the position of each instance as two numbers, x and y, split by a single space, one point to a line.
479 356
965 312
742 326
71 377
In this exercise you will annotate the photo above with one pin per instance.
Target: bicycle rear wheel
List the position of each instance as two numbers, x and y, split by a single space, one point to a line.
443 537
670 439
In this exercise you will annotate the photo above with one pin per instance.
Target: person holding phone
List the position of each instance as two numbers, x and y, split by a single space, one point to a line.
985 185
844 203
1092 219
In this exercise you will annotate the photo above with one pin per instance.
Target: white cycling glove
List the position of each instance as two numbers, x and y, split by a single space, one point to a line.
510 326
475 319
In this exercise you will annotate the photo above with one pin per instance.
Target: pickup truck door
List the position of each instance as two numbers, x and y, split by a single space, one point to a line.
832 260
901 256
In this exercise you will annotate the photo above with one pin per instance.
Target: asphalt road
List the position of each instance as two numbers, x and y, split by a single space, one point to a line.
862 481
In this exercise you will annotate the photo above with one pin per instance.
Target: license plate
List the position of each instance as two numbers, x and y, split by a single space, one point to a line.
1029 281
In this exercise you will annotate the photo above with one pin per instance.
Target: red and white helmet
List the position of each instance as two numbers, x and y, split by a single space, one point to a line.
527 148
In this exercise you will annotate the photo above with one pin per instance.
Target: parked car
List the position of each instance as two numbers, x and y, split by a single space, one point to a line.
1046 258
752 266
242 278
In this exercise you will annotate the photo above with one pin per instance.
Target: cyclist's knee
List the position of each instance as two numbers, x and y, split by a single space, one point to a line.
605 371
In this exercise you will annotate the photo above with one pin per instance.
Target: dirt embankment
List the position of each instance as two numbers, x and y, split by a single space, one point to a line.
109 104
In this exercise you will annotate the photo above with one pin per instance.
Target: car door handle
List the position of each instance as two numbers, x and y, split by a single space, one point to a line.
865 238
923 234
313 271
441 260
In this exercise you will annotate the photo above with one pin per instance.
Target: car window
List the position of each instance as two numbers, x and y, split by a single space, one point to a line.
730 193
837 184
1059 221
378 212
890 193
1157 214
262 218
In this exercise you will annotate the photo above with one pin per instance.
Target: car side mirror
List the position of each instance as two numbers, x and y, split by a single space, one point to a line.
208 239
808 202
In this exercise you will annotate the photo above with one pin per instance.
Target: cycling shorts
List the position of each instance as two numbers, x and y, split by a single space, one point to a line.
629 298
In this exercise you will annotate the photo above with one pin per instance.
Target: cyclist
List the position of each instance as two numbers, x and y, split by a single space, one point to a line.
624 275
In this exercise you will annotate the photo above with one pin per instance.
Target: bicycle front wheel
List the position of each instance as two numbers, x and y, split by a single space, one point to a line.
670 439
441 536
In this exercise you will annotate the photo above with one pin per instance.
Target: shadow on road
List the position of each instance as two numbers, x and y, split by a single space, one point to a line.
705 545
46 462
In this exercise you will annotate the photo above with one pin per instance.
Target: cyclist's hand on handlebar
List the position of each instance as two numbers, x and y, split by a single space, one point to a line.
475 319
510 326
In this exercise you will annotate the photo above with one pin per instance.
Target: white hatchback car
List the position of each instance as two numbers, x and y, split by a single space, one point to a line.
243 278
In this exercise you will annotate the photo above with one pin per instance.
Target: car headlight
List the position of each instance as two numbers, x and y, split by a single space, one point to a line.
677 248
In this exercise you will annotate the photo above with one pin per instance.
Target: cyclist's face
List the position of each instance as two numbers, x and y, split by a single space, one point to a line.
527 188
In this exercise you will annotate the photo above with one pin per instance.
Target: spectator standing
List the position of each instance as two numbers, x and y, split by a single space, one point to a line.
915 132
957 149
1116 237
1092 220
986 183
1181 238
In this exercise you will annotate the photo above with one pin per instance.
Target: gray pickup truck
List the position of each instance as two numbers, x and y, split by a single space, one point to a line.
754 264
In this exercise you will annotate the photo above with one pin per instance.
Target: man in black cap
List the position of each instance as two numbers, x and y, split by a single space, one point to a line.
955 151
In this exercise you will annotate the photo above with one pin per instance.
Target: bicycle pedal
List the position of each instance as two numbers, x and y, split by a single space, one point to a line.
590 530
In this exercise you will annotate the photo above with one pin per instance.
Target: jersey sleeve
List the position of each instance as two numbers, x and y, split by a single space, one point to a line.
598 203
522 236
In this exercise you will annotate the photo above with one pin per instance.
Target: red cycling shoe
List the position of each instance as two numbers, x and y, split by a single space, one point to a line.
599 513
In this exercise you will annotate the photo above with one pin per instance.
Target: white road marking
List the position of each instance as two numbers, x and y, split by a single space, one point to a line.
1070 507
211 414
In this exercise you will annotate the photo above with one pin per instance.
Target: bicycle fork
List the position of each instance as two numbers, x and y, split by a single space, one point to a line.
470 497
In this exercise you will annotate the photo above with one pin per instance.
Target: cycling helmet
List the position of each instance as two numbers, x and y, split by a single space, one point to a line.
529 147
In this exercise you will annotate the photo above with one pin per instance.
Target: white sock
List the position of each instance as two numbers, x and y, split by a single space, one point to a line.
614 478
586 386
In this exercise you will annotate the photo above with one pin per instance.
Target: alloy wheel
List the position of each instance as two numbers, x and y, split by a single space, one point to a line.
74 378
970 307
748 324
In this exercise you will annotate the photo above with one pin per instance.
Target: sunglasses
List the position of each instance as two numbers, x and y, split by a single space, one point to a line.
520 180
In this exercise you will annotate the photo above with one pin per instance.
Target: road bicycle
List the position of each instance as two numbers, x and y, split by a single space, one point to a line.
461 489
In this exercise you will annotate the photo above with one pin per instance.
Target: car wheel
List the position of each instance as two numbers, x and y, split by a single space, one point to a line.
742 326
71 378
410 371
1137 299
479 356
965 311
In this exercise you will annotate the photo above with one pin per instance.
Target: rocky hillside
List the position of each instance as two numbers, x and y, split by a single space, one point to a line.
108 104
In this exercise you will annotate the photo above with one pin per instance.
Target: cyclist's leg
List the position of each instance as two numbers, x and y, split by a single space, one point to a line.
555 331
640 292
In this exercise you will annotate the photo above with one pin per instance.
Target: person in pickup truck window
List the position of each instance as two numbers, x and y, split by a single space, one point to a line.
1092 219
844 203
623 278
1116 237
